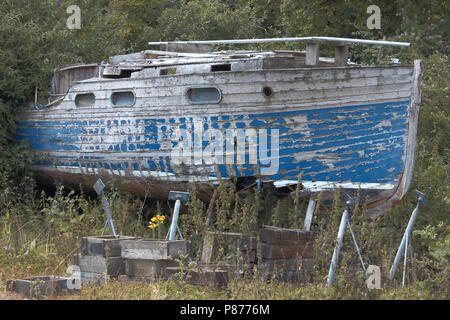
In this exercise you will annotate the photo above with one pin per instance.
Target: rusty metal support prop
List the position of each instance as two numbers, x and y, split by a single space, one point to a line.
403 247
99 186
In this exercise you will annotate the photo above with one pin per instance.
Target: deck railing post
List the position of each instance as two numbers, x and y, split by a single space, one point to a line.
340 56
312 53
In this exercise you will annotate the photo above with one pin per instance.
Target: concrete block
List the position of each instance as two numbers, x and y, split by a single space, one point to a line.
281 236
92 277
203 276
286 252
125 278
288 270
113 266
154 249
98 245
153 269
38 287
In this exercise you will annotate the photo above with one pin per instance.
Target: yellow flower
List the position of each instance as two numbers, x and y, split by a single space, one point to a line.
28 267
153 219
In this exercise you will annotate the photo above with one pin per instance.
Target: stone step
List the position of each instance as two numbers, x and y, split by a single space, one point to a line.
154 249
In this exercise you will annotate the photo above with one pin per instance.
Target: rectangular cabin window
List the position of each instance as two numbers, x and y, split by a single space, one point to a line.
123 98
204 95
167 71
220 67
84 100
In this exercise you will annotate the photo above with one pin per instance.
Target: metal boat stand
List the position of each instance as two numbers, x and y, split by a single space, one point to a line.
345 222
99 186
176 196
57 195
403 248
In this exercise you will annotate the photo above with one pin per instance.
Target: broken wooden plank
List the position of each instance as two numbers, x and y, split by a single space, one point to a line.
208 248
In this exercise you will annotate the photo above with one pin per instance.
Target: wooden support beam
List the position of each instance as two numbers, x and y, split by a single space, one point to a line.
340 56
312 53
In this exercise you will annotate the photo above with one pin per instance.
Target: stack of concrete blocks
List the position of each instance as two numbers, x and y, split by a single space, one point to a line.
101 258
147 260
286 254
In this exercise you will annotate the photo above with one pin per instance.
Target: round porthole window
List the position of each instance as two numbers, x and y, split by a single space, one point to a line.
267 92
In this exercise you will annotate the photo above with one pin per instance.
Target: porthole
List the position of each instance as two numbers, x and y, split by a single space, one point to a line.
85 100
123 99
267 92
200 95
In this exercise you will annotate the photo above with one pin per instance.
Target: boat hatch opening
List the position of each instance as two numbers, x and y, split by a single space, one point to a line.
167 71
204 95
85 100
221 67
267 92
123 98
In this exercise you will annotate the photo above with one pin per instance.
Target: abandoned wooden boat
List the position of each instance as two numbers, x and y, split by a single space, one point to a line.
161 120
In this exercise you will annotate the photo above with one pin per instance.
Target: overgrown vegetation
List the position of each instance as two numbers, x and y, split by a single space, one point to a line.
39 235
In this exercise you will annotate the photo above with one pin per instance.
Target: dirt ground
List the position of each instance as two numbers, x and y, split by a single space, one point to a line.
10 296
